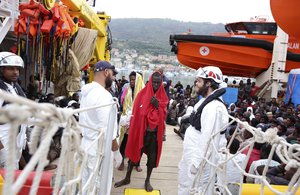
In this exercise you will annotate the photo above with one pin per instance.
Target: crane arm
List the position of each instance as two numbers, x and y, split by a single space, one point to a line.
84 11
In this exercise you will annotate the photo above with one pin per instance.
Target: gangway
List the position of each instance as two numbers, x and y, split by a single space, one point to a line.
276 72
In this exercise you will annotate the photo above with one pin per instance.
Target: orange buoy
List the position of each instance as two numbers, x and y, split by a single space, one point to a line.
287 16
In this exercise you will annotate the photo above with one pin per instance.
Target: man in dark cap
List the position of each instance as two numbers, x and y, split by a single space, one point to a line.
94 94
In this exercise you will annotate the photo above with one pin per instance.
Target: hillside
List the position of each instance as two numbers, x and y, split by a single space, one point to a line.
152 35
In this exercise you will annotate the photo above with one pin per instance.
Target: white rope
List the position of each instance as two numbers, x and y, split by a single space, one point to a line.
47 120
10 165
44 148
288 154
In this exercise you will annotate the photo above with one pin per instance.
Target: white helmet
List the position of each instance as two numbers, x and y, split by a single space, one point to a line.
10 59
210 72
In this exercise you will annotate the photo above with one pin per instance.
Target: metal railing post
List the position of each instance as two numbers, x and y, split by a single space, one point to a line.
107 150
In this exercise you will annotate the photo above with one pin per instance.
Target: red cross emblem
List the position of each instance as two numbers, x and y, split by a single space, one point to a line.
204 51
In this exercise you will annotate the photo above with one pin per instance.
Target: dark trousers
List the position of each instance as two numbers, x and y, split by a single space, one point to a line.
150 148
123 144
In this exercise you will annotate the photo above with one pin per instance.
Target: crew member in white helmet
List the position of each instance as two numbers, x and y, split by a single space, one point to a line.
10 65
206 120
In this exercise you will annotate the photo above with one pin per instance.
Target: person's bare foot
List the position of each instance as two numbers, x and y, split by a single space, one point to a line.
50 167
121 167
122 183
138 169
148 186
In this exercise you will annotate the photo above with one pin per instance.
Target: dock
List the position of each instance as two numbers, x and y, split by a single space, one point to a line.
163 178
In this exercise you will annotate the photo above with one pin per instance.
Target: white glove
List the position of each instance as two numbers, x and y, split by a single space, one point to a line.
123 120
128 119
21 138
117 158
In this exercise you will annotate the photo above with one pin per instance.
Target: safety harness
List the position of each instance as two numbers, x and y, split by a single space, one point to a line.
195 118
17 88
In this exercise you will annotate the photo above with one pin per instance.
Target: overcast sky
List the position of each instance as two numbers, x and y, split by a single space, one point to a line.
214 11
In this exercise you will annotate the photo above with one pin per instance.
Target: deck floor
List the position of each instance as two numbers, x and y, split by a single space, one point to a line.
164 178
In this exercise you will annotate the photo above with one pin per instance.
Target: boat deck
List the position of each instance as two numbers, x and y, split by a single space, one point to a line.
163 178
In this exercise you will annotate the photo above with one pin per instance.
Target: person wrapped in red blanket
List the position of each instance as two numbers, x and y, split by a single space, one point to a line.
146 128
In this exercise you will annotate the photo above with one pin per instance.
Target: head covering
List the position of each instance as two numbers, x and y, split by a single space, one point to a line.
210 72
71 102
250 110
102 65
279 120
10 59
127 99
144 115
229 107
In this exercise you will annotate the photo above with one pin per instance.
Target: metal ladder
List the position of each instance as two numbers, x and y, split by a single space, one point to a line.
9 12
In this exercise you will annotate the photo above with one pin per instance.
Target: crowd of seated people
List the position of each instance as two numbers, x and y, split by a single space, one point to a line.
182 101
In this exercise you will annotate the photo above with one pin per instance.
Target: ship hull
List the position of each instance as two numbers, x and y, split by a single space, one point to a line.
235 56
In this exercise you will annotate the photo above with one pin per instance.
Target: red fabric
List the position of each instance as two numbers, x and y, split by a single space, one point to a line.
254 156
254 90
144 114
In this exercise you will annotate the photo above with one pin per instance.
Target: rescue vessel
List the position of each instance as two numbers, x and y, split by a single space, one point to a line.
245 50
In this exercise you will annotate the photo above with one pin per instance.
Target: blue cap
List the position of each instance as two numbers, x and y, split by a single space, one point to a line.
102 65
